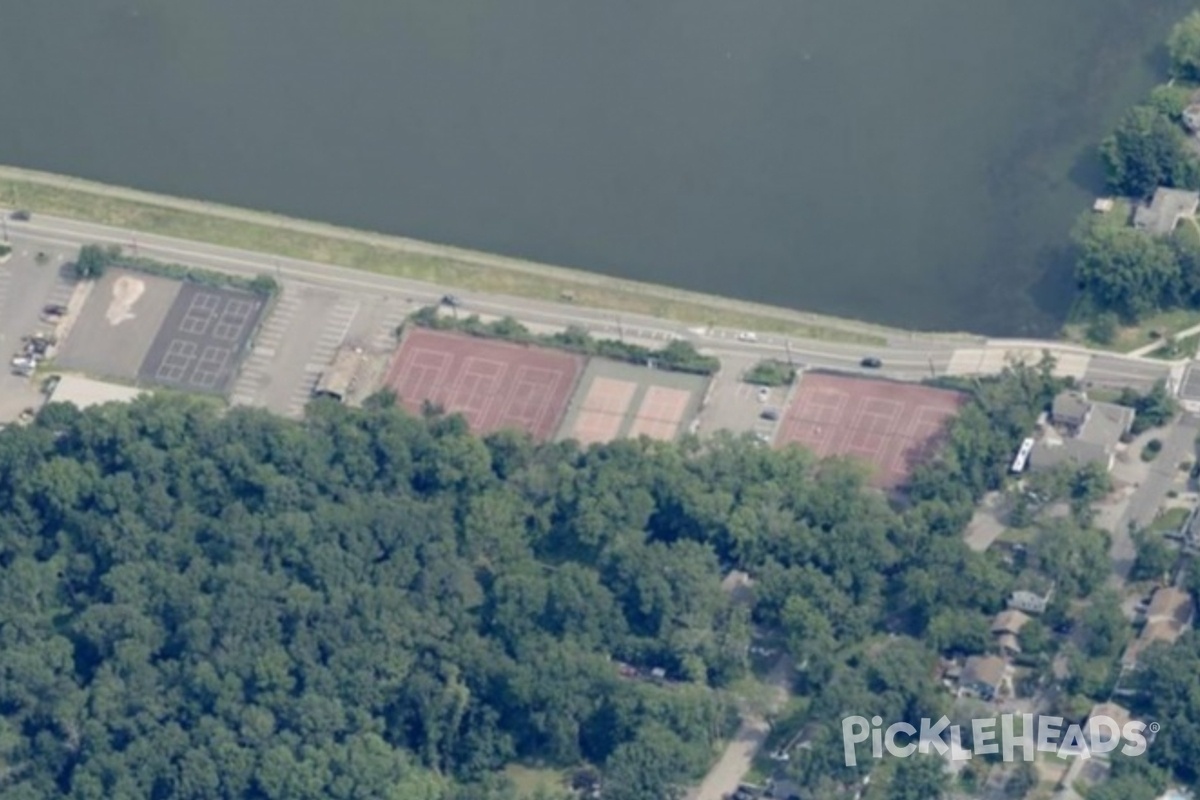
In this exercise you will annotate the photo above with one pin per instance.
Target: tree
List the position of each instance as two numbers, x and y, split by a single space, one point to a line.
1153 409
93 260
1183 47
652 767
1154 556
919 777
1147 150
1104 627
959 632
1124 270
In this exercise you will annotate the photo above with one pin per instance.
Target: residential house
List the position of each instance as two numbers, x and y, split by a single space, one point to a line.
1082 432
1104 735
1032 593
1166 208
1170 614
983 676
1006 627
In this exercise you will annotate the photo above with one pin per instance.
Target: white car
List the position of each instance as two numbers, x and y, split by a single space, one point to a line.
763 394
747 336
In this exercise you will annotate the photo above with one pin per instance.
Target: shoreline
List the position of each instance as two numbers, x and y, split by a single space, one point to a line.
399 256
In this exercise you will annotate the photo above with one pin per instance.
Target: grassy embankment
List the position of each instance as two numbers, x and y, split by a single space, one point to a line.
444 266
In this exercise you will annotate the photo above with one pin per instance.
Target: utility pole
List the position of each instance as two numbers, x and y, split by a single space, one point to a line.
620 329
787 345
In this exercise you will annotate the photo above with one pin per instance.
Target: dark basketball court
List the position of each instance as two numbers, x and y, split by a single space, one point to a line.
202 340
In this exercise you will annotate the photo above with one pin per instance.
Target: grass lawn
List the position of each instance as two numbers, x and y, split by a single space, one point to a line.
1183 348
1171 519
528 780
1018 535
1166 324
266 233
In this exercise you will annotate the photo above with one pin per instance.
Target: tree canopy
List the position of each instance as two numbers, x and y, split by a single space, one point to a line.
1147 150
206 603
1183 47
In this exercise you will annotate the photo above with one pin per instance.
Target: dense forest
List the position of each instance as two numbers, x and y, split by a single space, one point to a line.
206 603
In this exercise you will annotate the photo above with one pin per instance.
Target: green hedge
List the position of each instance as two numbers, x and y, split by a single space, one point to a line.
771 372
677 356
94 260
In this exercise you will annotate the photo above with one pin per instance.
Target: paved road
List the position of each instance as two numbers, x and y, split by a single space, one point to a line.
1179 445
905 356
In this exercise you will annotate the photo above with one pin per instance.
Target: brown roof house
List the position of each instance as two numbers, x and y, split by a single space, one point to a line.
1006 627
983 676
1103 737
1082 432
1166 208
1170 614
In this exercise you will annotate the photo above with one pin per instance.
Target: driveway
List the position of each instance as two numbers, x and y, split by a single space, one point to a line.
725 776
1162 474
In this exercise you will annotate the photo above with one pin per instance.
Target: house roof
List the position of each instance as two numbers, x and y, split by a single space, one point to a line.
1047 454
1009 621
1161 630
1162 214
1105 426
1172 605
1117 713
1010 642
1070 407
986 670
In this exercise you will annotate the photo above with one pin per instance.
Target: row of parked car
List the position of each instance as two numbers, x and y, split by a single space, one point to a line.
34 348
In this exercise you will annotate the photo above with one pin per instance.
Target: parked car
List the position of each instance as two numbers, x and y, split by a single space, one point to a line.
770 413
763 394
20 215
747 336
450 300
871 362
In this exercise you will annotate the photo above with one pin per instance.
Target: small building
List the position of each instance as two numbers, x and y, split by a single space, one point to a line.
1032 593
1170 614
84 392
1103 205
1006 627
1164 211
983 676
1084 432
338 381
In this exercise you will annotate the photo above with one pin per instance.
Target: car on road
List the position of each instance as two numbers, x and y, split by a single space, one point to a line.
871 362
20 215
747 336
450 300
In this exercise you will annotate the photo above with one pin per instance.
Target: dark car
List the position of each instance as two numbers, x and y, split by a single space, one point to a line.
449 300
871 362
20 216
770 413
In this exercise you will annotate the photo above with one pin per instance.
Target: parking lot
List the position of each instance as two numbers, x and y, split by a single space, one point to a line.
738 406
297 341
27 285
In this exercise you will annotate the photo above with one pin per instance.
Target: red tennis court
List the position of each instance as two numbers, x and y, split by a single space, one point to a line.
493 384
894 426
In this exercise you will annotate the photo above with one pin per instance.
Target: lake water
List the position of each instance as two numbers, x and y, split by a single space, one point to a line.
915 163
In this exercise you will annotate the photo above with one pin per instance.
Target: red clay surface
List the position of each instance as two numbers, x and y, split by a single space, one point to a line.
493 384
894 426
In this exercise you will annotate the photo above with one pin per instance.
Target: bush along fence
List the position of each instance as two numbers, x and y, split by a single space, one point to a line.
677 356
93 261
771 372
